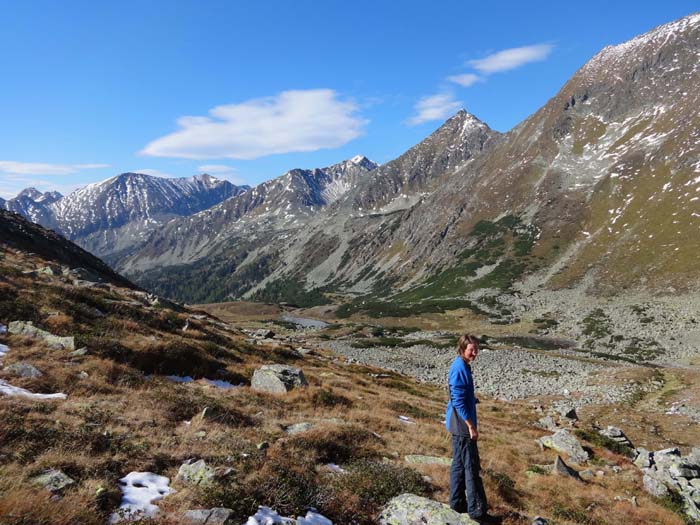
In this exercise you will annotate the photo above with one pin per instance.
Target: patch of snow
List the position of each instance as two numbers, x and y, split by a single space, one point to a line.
180 379
9 390
3 350
267 516
219 383
3 329
140 490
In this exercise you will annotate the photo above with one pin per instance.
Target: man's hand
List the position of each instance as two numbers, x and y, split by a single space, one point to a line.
473 432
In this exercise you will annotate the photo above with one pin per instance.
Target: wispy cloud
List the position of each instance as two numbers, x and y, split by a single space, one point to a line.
213 169
465 80
434 107
292 121
512 58
41 168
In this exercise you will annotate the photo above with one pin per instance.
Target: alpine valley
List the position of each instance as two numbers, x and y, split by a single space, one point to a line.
282 350
587 213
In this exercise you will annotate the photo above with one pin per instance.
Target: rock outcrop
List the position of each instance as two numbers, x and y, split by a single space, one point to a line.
277 379
409 509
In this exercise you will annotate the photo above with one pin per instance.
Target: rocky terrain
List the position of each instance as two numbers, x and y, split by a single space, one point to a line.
117 404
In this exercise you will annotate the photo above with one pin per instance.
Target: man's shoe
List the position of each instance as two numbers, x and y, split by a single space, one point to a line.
488 519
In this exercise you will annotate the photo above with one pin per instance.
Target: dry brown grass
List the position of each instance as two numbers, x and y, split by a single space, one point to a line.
116 419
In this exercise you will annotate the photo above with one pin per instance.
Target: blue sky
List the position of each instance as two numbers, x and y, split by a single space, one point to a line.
247 91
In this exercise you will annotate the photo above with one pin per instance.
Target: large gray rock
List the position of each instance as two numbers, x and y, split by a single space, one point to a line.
277 379
22 369
53 480
562 469
643 459
616 435
409 509
196 473
28 329
565 442
215 516
654 487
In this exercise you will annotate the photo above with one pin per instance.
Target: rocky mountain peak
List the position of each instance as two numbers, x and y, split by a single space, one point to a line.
361 160
30 192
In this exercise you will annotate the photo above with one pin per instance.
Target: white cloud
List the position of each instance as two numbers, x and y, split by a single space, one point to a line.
464 80
434 107
213 169
41 168
511 58
291 121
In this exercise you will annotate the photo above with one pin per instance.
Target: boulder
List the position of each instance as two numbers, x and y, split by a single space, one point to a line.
654 487
616 435
28 329
562 469
409 509
565 442
277 379
643 459
264 333
298 428
196 473
684 470
53 480
215 516
22 369
539 520
547 423
416 459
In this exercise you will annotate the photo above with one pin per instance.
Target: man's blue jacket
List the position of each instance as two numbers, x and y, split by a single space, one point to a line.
462 404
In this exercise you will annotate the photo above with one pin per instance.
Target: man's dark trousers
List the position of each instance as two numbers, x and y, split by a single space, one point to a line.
466 488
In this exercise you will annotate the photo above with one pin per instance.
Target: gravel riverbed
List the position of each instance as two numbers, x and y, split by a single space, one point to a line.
501 373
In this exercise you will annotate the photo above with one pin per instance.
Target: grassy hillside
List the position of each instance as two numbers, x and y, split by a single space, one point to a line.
122 414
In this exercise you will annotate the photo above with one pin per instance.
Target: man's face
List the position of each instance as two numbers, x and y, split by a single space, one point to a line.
471 351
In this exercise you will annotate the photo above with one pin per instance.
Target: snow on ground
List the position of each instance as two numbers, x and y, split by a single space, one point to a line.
218 383
3 329
140 490
267 516
9 390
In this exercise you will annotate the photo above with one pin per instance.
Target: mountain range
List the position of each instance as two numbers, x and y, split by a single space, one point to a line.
110 216
599 188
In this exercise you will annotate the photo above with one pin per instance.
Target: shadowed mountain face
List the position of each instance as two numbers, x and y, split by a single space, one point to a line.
19 233
598 185
113 215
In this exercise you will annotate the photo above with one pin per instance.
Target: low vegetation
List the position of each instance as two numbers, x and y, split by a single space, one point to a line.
123 414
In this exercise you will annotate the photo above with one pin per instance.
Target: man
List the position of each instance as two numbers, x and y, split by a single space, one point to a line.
466 488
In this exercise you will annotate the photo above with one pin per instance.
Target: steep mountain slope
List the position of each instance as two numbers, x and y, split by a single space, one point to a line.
598 188
18 233
237 241
112 215
33 204
281 240
599 184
